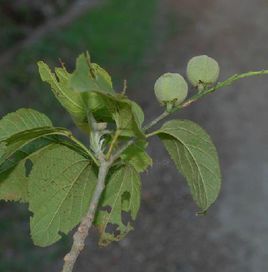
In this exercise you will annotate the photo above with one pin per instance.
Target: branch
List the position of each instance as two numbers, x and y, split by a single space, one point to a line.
229 81
122 149
83 229
200 95
156 120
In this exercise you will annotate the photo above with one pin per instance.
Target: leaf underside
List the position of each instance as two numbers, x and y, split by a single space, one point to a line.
90 77
59 193
89 90
23 142
13 184
136 156
195 156
14 171
119 205
117 109
21 120
60 86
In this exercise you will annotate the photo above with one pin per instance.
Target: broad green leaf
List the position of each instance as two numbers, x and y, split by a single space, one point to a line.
115 108
121 198
34 133
196 158
25 125
21 134
136 155
60 85
2 151
21 120
90 77
59 193
14 171
102 78
12 184
138 113
19 140
13 178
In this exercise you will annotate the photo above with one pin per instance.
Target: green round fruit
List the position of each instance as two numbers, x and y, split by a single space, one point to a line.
171 87
202 71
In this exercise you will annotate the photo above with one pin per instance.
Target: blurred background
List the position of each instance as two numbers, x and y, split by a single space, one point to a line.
139 40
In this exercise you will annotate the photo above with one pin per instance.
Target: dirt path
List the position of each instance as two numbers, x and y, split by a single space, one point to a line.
234 235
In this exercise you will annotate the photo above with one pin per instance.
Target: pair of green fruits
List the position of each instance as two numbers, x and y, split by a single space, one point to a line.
202 72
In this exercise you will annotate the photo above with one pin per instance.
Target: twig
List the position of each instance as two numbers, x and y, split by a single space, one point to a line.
83 229
200 95
156 120
220 85
122 149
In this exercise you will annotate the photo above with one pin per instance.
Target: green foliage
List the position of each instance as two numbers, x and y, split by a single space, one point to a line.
112 45
90 77
13 173
24 136
60 86
65 183
2 150
59 193
136 155
89 91
120 198
196 158
116 109
138 113
22 120
14 151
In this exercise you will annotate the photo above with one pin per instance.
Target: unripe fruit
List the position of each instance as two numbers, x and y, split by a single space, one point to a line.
202 71
171 87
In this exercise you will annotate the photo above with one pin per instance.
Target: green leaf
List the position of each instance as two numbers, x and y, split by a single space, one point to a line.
21 127
19 140
138 113
120 198
13 178
60 85
34 133
21 120
21 134
59 193
115 108
14 171
90 77
196 158
136 155
2 151
102 78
